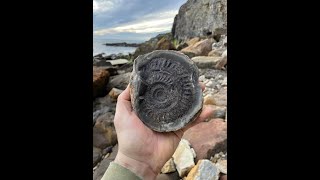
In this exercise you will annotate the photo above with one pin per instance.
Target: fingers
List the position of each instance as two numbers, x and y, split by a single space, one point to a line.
124 100
207 111
125 95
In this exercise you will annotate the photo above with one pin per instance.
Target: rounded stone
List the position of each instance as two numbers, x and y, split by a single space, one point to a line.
165 92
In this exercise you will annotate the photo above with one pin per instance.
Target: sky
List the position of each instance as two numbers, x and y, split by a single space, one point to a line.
137 20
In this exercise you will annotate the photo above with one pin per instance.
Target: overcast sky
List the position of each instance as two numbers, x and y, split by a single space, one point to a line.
133 19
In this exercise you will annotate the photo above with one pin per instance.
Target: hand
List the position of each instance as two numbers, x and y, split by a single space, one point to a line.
142 150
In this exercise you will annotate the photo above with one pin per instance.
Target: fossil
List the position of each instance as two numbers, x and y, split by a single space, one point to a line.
165 92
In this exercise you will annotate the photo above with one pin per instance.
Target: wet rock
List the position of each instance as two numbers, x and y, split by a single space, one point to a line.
183 158
204 169
165 91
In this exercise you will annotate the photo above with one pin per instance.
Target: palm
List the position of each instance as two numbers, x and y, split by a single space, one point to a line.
140 143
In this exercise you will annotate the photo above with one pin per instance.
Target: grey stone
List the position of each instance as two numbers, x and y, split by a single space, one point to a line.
165 92
120 81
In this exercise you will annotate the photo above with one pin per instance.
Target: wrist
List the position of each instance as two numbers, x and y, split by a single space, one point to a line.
141 169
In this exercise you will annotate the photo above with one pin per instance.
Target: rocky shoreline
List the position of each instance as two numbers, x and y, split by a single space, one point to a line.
202 152
123 44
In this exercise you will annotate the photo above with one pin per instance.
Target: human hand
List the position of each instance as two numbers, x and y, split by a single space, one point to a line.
142 150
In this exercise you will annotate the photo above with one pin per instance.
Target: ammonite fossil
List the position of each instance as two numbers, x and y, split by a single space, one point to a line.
165 92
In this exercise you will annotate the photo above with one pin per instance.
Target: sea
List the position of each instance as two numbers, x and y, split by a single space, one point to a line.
99 47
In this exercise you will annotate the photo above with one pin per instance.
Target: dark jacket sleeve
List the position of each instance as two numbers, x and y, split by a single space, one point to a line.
117 172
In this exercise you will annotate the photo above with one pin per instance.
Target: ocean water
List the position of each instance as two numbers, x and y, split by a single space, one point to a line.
99 47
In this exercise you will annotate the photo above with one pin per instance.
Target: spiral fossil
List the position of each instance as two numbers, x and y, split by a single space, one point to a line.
164 90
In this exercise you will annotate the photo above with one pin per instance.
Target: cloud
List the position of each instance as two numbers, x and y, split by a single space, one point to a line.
113 18
150 23
100 6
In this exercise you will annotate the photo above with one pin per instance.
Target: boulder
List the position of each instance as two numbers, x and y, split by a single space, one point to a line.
104 134
183 158
208 138
120 81
192 41
201 48
100 80
205 61
152 44
164 44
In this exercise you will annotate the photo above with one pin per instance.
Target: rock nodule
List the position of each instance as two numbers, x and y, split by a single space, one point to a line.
165 92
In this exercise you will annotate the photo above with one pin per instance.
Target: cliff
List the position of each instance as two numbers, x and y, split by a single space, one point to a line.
200 18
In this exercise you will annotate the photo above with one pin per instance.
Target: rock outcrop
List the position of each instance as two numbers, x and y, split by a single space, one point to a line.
160 42
200 19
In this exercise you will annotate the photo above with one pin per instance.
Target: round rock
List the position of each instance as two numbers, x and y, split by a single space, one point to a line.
165 92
